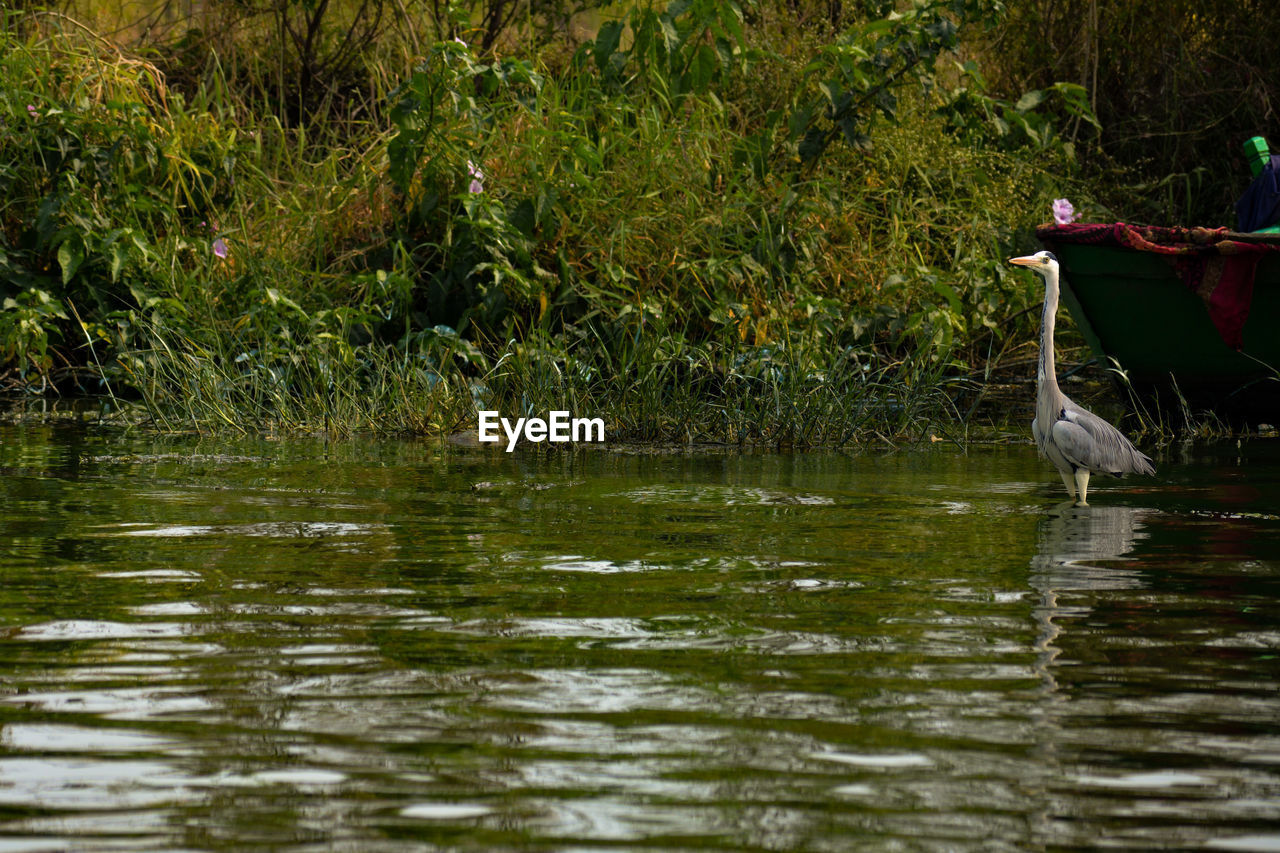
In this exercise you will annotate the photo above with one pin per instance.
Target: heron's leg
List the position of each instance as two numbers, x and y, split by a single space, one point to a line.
1082 483
1071 484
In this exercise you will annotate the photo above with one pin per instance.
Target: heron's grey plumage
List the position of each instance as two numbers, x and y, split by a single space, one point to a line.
1076 441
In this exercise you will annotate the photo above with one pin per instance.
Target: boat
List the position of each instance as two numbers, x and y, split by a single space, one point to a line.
1188 319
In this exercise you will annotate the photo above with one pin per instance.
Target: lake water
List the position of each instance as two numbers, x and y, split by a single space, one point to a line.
409 646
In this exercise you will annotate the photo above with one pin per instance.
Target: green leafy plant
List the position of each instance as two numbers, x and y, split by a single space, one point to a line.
617 225
684 49
860 73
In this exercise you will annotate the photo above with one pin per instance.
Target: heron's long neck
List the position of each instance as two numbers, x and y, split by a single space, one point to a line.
1045 376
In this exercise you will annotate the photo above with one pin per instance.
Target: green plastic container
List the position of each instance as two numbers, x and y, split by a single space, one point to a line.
1257 152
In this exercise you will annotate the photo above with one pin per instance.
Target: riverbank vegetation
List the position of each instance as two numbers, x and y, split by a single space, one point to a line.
780 223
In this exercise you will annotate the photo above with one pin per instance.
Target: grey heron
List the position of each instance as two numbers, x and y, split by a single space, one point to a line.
1076 441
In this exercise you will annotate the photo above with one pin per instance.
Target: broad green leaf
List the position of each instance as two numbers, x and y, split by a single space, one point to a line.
70 256
607 41
702 69
1029 101
117 260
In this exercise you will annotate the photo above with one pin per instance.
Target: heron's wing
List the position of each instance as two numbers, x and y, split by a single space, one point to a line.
1088 441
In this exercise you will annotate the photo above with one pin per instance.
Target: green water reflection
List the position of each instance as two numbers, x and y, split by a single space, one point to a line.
411 646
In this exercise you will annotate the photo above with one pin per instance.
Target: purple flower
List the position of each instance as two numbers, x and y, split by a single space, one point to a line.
477 177
31 110
220 248
1063 212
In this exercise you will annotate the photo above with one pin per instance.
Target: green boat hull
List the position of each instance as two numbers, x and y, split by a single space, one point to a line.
1143 321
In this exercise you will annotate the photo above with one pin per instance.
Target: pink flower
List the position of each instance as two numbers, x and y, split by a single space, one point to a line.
1063 212
220 248
32 111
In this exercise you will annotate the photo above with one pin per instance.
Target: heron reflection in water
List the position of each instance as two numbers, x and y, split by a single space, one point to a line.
1076 441
1077 555
1079 564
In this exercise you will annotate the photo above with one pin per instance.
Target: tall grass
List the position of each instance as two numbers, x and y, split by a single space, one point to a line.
637 233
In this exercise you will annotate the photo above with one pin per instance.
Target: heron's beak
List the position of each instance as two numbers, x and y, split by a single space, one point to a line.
1026 261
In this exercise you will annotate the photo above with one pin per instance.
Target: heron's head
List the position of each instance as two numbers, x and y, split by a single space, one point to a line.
1041 262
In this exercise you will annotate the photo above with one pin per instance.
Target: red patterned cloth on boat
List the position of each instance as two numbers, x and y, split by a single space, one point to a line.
1215 263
